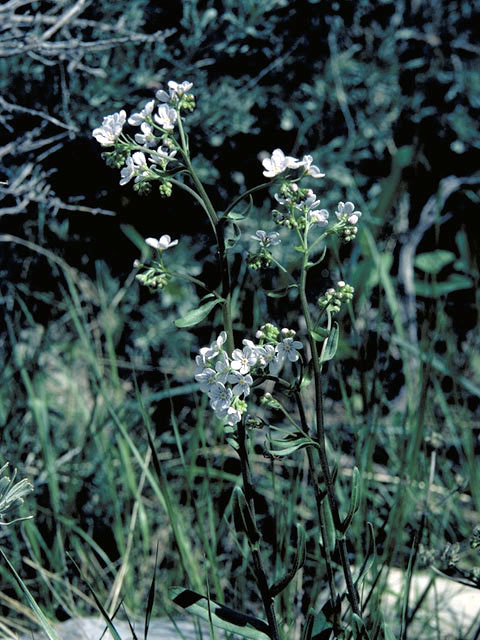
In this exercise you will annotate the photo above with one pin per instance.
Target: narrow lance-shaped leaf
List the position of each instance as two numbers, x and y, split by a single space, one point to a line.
329 348
45 624
354 500
219 615
243 518
196 316
370 556
298 562
329 526
288 445
308 625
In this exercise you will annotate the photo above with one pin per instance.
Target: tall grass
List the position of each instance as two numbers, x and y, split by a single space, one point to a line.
115 478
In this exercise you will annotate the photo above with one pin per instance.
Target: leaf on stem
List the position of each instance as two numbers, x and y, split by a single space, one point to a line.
243 518
196 316
280 293
219 615
241 215
320 334
354 501
298 562
330 347
45 624
291 443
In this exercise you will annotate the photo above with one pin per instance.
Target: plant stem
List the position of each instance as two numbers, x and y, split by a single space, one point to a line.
215 221
327 476
259 571
320 511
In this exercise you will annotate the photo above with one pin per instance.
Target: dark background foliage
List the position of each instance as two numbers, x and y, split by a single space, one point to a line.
384 95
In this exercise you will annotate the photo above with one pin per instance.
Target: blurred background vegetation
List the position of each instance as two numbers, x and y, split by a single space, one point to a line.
386 97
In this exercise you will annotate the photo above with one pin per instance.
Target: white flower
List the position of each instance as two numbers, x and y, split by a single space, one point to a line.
309 203
137 118
200 360
288 349
311 169
162 244
232 415
110 130
217 345
319 216
220 396
272 359
166 117
267 239
207 379
279 162
179 89
348 209
128 171
242 360
242 383
222 367
163 155
147 137
176 90
139 162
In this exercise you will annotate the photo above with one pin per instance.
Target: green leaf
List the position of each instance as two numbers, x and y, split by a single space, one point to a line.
298 562
370 556
354 500
243 518
387 632
241 215
135 237
330 347
232 240
455 282
359 628
100 607
308 625
329 526
195 316
280 293
320 334
434 261
45 624
220 616
291 443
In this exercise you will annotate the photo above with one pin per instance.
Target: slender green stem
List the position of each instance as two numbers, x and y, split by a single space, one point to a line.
327 476
320 511
260 576
243 195
215 221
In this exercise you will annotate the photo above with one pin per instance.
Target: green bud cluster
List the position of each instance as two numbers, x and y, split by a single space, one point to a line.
165 189
187 102
115 159
259 261
269 401
333 298
269 333
155 277
349 233
143 188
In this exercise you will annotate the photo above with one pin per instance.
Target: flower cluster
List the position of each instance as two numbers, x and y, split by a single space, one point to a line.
332 299
227 379
156 275
278 162
349 217
301 208
146 156
262 258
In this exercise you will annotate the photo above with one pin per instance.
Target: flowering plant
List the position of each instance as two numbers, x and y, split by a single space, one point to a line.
227 372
